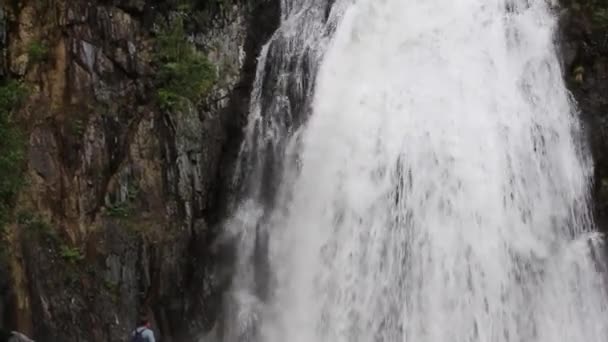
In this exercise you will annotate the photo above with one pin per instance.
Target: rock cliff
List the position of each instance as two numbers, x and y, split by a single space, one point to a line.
125 147
584 48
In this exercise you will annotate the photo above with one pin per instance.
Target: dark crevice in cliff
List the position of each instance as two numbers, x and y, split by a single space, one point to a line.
266 19
584 46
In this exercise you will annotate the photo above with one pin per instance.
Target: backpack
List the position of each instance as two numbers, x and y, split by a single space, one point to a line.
138 336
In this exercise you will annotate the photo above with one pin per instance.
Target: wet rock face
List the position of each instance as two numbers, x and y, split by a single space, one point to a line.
122 200
584 47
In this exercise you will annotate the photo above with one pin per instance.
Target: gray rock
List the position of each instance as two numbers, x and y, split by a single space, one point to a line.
126 193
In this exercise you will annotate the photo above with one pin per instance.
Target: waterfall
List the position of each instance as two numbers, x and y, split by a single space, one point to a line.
414 171
280 103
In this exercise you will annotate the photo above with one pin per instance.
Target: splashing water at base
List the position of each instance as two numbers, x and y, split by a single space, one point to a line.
442 194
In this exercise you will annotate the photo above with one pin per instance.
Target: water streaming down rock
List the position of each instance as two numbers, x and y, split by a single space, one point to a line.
280 102
440 192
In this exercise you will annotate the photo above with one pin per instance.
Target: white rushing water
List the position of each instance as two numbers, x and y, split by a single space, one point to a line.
280 100
440 193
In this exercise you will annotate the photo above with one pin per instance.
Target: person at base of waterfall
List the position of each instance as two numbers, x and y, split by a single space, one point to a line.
143 332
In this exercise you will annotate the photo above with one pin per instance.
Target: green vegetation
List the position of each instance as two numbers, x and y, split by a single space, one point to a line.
36 226
71 254
185 74
76 127
37 52
12 146
596 10
113 290
124 209
184 7
119 210
600 17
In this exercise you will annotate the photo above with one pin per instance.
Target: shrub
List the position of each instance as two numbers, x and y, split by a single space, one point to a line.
119 210
37 52
124 208
71 254
600 17
184 73
36 226
12 147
